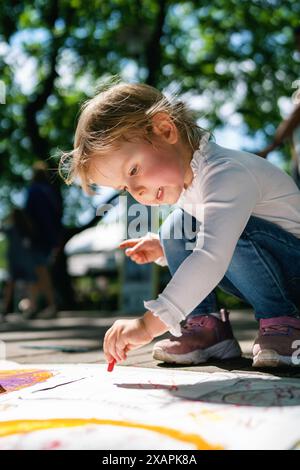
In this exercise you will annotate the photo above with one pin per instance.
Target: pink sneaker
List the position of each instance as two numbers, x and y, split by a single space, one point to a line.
277 340
203 337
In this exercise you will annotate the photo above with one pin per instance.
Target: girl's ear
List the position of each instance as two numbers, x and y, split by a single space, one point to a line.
164 127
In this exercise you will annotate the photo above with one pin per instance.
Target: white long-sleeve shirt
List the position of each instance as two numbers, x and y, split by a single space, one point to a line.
228 187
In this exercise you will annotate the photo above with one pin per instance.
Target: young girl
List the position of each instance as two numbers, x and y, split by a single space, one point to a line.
246 210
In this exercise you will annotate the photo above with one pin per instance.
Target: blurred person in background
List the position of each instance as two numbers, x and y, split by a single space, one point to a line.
44 208
20 239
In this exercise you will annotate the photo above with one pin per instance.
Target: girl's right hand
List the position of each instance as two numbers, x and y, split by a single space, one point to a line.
142 250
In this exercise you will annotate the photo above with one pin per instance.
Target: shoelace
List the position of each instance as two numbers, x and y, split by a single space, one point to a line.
190 325
276 329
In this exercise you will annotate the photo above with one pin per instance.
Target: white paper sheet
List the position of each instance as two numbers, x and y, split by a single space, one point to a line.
83 406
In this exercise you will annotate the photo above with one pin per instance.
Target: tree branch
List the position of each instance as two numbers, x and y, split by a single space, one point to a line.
153 48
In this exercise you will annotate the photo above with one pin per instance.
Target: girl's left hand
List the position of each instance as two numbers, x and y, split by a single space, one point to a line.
126 335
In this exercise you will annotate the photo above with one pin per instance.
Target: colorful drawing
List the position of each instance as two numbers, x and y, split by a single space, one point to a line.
83 406
28 426
12 380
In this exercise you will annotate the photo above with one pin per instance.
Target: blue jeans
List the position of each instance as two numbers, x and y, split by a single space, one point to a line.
264 270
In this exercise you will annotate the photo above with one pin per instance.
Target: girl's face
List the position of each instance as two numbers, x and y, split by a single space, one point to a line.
152 175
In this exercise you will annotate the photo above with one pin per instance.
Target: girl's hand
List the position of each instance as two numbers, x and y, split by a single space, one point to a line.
143 250
126 335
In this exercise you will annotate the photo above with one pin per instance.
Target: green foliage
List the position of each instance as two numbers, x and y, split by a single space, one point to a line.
53 54
3 249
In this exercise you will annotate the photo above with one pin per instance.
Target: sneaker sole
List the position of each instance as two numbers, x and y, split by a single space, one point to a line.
271 358
227 349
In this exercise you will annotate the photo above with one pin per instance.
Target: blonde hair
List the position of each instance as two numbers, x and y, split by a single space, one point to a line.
122 112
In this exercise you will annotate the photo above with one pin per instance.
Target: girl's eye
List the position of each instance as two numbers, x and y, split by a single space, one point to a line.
133 171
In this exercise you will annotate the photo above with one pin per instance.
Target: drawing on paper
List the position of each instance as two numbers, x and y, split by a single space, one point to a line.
83 407
247 392
12 380
28 426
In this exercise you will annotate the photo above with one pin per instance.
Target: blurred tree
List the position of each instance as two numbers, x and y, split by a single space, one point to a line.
237 55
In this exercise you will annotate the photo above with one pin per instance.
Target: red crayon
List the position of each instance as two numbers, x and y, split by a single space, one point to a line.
111 366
